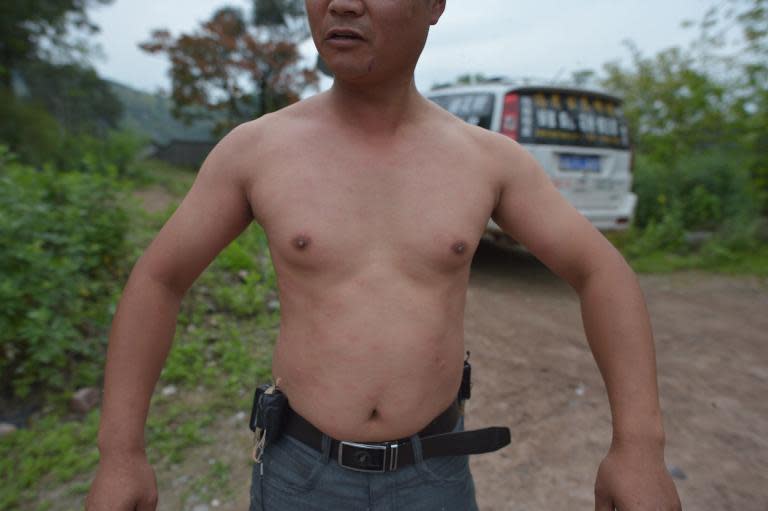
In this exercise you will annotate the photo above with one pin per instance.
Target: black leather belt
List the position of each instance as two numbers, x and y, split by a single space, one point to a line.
437 439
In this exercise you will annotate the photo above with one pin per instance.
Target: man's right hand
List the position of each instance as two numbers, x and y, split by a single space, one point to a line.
123 483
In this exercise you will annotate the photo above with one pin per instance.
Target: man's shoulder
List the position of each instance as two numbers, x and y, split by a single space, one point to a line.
481 141
244 139
260 127
275 124
300 111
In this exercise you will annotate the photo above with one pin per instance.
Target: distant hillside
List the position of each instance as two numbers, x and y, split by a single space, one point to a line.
151 114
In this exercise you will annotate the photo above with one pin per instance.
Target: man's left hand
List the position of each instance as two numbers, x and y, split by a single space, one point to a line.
635 478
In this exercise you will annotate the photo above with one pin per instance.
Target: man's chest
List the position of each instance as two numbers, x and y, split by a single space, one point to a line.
323 208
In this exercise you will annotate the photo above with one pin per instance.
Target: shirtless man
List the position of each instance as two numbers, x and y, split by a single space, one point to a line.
373 201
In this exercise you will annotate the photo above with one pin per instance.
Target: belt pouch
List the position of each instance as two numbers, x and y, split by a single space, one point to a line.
268 412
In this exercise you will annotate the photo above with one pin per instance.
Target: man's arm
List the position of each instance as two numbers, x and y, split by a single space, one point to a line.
213 213
532 211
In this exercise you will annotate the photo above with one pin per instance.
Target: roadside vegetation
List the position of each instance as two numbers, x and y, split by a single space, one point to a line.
699 121
56 314
72 183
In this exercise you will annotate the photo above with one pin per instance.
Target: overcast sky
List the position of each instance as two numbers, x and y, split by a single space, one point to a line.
517 38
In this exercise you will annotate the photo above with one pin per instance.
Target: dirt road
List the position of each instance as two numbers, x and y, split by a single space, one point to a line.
533 372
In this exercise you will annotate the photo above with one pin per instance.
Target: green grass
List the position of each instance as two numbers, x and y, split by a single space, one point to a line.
51 451
216 482
221 349
714 256
176 180
726 262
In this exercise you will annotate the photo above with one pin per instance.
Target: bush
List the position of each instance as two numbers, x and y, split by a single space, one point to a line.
61 245
706 189
114 154
29 129
39 139
666 234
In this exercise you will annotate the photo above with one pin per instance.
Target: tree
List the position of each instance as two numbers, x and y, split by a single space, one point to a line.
583 77
699 120
711 96
673 108
60 94
76 96
285 19
26 26
752 104
28 130
232 70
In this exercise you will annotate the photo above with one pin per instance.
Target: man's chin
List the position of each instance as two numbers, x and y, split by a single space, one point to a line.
350 70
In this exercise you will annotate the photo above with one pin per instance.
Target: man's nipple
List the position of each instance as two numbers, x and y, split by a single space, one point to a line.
459 247
301 242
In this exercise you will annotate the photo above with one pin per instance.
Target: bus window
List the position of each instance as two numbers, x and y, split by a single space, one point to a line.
473 108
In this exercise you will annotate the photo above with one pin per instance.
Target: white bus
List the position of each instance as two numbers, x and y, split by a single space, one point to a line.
579 137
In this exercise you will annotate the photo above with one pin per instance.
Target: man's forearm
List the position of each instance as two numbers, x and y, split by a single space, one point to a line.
140 338
618 328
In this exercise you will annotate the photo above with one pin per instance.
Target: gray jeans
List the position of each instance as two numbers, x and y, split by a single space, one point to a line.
297 477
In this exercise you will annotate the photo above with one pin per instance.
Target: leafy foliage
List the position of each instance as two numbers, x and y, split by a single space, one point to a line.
216 356
703 189
280 14
114 154
209 68
75 95
700 124
674 109
32 27
700 116
37 138
46 95
61 257
29 130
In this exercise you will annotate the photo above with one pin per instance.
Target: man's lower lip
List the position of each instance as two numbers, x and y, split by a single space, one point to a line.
343 42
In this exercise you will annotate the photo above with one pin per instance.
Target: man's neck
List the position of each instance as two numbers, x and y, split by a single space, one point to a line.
381 109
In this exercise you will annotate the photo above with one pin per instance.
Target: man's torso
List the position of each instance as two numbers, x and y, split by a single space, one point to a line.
372 240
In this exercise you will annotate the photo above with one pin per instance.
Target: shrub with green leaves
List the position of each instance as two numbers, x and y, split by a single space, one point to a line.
38 138
114 153
61 265
32 132
705 189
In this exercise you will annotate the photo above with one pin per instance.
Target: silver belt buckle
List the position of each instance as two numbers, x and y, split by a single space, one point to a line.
387 462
